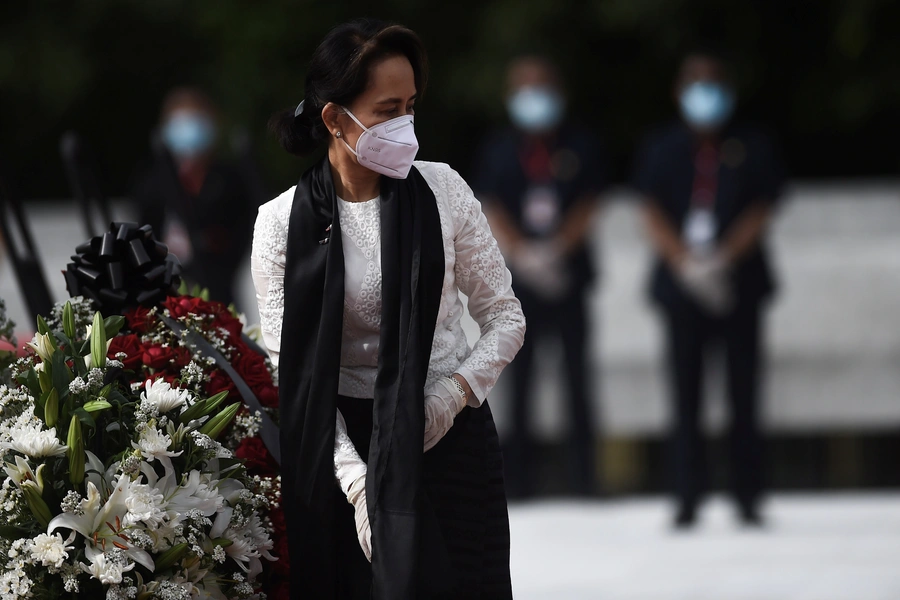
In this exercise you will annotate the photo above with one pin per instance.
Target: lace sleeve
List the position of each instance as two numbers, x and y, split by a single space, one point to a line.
481 274
267 259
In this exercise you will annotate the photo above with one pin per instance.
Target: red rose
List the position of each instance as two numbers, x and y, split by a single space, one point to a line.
267 395
181 306
139 319
226 321
157 357
219 382
252 368
182 356
256 456
131 345
279 536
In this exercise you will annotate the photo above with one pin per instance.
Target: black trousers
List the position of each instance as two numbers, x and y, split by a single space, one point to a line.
565 319
690 334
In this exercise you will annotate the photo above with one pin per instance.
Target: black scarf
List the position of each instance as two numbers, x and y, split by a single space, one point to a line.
412 278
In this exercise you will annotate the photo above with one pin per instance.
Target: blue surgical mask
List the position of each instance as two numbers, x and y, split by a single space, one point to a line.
188 133
707 104
535 108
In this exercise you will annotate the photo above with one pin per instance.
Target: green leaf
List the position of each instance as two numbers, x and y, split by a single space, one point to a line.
214 427
104 393
51 408
36 504
195 291
170 556
39 403
44 379
117 397
84 416
12 532
42 325
30 380
202 408
95 406
113 325
98 342
61 374
75 451
69 321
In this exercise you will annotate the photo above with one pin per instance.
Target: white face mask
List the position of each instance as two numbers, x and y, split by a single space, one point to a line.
388 148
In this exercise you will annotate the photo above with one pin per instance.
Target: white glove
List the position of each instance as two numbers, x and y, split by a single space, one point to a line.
705 277
443 402
356 496
541 267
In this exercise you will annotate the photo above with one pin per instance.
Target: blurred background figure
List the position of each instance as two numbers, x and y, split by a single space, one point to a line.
197 203
709 184
540 181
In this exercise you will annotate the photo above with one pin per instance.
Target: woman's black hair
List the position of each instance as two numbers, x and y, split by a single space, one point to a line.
339 72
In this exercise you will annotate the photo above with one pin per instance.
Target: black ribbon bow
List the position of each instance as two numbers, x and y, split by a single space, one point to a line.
124 267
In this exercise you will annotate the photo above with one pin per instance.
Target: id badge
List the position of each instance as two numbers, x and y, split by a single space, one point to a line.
700 228
540 210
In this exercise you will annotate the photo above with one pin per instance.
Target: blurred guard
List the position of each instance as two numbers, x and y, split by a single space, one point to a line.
197 204
540 182
709 187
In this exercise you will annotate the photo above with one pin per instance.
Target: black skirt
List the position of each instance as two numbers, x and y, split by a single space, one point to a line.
463 481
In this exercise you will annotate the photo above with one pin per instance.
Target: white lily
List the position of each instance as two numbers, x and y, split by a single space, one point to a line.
108 569
100 521
96 473
194 492
249 543
43 345
155 444
21 472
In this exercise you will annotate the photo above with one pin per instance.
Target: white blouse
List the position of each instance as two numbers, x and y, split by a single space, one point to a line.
473 265
361 236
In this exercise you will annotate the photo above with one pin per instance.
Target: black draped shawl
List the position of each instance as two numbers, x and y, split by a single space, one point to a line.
412 276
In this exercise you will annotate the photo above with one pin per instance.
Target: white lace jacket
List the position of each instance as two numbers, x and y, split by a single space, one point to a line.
474 266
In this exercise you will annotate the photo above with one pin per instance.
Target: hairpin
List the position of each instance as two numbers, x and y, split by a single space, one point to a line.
299 110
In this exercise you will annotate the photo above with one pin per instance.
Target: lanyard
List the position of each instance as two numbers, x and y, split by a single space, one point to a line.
706 176
536 163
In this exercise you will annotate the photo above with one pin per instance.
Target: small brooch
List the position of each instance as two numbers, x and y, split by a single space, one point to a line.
327 237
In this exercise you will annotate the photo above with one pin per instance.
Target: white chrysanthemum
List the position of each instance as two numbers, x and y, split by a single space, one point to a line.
51 550
34 442
162 397
145 504
153 444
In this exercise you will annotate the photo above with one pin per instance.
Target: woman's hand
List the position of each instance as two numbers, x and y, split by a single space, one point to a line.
356 496
443 401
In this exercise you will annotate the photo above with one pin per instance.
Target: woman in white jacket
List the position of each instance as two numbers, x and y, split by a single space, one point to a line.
383 406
